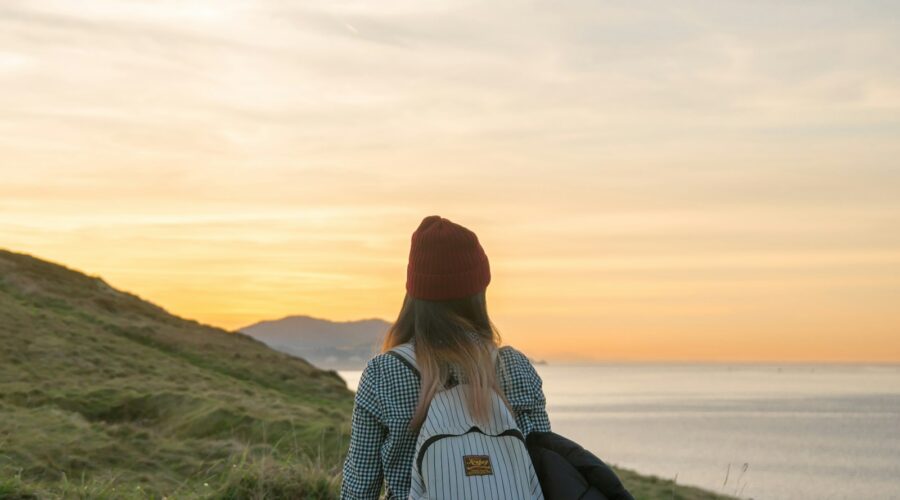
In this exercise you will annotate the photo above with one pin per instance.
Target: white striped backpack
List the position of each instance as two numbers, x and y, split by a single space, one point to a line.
456 458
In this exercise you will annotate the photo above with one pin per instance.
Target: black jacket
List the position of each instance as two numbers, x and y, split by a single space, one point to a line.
569 472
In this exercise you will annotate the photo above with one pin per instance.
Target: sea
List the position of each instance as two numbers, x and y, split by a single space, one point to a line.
771 432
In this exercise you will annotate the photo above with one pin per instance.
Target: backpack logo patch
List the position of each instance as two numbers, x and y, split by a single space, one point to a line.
478 465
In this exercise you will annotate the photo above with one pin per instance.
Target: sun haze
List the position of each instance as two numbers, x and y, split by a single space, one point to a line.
716 180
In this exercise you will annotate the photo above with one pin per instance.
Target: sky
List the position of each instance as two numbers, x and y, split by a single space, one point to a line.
651 180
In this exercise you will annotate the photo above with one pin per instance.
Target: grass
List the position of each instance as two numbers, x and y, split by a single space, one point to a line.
105 395
243 477
655 488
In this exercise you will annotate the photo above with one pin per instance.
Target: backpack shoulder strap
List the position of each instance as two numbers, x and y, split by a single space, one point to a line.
406 353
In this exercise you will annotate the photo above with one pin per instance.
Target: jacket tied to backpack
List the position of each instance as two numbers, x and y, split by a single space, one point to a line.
568 471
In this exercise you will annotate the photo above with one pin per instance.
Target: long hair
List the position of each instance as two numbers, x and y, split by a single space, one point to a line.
449 333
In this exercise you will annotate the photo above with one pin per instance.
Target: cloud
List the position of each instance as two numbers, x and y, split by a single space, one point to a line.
575 130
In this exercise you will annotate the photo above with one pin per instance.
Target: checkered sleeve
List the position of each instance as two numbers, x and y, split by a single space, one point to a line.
523 388
362 474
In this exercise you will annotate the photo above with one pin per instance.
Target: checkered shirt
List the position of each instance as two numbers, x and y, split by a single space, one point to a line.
381 446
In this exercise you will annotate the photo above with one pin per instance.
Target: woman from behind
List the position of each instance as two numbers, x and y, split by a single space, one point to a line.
442 350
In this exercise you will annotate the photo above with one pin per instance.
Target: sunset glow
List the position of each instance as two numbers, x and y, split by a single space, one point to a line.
650 182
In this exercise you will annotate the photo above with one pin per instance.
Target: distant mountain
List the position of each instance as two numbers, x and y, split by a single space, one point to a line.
105 395
327 344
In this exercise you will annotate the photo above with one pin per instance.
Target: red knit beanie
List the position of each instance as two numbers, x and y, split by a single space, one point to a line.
446 261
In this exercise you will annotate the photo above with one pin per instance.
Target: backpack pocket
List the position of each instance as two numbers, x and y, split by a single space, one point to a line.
474 465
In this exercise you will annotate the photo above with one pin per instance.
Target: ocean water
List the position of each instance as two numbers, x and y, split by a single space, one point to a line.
780 432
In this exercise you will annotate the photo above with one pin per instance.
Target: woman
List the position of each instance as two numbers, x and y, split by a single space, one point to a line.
444 317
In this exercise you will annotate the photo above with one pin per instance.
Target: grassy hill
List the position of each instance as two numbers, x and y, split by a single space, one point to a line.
105 395
100 390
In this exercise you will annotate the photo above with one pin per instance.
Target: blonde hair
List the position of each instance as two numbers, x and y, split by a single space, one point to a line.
450 337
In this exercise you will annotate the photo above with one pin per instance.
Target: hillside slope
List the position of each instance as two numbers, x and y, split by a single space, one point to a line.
100 387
